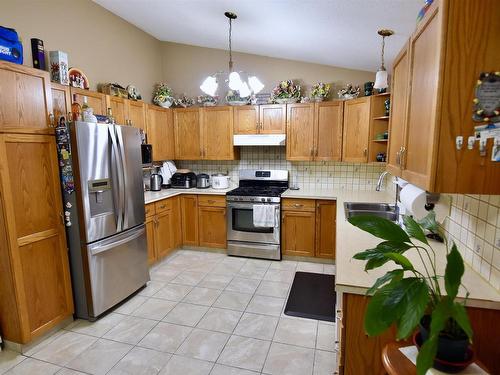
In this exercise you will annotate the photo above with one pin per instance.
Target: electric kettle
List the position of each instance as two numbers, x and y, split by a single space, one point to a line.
156 182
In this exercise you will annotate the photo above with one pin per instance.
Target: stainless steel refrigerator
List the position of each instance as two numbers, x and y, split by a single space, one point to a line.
104 202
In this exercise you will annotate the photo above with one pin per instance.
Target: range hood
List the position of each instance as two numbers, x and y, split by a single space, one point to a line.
259 140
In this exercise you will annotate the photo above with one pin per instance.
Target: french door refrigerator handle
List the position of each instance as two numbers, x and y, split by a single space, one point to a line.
118 184
122 168
102 248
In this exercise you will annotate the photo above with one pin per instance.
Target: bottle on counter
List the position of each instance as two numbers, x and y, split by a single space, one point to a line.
76 110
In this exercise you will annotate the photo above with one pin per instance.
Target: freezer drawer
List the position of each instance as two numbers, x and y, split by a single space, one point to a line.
118 266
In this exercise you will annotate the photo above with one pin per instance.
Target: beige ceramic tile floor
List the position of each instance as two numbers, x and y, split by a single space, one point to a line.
202 313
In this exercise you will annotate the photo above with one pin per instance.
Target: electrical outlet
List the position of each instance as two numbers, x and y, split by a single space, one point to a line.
466 206
478 248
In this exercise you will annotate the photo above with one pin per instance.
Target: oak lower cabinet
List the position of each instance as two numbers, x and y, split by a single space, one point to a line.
95 100
314 131
189 219
25 100
361 354
308 227
356 130
163 228
160 132
448 51
212 221
35 286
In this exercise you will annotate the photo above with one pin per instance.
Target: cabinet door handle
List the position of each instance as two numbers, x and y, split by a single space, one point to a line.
298 205
398 157
62 218
211 201
365 152
403 160
162 206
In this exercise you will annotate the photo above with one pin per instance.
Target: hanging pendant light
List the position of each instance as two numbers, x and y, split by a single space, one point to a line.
381 76
238 82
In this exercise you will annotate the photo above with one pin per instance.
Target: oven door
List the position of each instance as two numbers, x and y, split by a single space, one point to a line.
240 224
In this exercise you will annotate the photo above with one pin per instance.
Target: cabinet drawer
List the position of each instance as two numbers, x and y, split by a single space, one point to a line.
212 200
150 209
298 204
164 205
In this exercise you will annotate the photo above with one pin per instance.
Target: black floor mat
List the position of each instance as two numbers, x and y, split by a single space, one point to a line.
312 296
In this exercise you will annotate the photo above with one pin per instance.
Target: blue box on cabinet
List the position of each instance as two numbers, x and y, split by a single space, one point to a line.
11 48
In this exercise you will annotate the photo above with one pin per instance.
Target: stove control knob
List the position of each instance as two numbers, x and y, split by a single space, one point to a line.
263 199
252 199
269 199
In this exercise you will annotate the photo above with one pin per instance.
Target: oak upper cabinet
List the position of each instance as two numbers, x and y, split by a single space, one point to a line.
356 130
397 119
272 119
61 100
35 286
118 108
212 221
246 119
189 219
25 100
451 46
95 100
421 131
217 133
136 114
160 132
326 214
328 118
187 134
300 131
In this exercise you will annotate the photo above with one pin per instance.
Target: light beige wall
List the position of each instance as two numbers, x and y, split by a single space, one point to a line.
185 67
104 46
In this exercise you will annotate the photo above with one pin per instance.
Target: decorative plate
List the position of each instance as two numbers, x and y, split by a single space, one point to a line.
77 78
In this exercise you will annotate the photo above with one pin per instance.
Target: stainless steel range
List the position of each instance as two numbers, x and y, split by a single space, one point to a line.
254 214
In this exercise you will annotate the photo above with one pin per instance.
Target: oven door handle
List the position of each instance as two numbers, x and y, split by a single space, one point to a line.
248 205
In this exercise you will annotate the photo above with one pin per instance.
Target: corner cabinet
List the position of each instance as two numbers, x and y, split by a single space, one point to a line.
452 45
308 227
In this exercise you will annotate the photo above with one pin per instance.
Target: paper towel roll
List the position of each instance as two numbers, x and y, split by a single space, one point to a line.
414 200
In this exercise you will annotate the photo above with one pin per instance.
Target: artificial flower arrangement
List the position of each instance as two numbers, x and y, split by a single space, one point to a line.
162 95
286 92
207 100
349 92
183 101
320 91
233 98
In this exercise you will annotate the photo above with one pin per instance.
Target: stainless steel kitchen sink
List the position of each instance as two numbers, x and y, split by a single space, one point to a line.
384 210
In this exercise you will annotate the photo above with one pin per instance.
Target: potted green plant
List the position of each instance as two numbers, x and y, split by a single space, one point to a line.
408 296
163 95
320 91
286 92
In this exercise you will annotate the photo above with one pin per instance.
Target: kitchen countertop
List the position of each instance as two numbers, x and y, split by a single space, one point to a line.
153 196
350 275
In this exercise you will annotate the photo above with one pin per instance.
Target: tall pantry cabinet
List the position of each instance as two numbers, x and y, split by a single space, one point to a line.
35 287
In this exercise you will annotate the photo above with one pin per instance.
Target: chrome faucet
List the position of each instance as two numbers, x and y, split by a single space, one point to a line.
380 180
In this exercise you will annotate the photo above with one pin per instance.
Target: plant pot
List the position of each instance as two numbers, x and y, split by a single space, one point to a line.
450 350
167 103
318 99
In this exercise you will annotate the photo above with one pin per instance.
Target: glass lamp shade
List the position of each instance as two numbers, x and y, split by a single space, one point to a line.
255 84
245 90
381 79
235 82
209 86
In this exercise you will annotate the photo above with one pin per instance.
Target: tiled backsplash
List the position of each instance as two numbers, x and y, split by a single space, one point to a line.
319 175
474 225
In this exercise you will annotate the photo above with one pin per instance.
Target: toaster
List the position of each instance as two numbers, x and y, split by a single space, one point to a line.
183 180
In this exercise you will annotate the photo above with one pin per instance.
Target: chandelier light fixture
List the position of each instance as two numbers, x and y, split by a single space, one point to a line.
240 83
381 77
